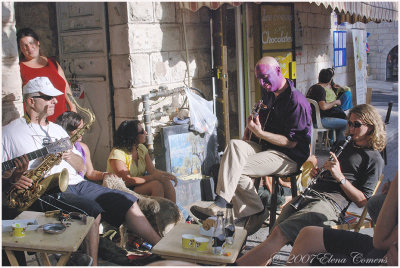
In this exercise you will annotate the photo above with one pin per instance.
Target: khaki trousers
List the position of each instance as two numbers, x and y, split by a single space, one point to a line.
241 161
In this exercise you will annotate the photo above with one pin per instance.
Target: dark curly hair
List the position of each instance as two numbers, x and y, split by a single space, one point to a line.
69 121
325 75
23 33
126 135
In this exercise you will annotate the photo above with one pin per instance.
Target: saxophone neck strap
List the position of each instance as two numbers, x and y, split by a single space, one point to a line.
28 118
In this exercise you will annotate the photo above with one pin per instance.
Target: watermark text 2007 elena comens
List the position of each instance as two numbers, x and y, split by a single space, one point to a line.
329 258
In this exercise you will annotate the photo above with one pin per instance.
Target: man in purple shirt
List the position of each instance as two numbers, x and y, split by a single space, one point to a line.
278 145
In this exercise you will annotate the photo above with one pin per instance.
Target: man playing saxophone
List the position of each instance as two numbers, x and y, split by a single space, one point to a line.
34 131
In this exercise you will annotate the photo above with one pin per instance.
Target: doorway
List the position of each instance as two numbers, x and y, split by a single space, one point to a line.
392 65
83 48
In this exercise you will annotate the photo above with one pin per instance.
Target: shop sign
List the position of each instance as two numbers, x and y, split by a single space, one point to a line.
276 27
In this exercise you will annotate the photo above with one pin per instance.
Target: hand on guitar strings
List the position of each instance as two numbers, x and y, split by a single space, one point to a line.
254 125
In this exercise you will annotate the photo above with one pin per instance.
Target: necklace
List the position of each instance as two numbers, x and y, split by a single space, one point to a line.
47 139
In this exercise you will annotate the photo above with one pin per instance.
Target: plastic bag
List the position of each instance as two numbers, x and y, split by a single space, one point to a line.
202 118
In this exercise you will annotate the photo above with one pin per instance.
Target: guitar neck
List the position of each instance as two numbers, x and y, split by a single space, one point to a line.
31 156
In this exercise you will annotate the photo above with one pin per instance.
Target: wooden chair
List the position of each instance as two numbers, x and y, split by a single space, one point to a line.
363 221
319 128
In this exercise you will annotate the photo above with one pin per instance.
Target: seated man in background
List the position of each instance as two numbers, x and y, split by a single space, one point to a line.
351 178
332 116
33 132
277 145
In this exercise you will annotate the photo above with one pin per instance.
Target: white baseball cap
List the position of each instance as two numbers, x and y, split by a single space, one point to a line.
42 85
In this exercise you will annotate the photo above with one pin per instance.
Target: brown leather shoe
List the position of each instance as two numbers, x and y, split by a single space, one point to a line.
204 213
255 221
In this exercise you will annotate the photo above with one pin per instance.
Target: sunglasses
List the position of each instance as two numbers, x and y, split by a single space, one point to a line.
141 132
355 124
44 97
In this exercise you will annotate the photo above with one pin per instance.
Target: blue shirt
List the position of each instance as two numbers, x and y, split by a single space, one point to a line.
290 116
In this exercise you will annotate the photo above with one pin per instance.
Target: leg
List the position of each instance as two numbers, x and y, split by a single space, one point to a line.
335 123
229 179
246 200
92 240
137 223
347 100
263 253
232 163
169 190
309 241
152 188
374 205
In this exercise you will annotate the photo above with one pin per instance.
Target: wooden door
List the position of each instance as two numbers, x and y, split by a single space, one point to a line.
84 52
221 73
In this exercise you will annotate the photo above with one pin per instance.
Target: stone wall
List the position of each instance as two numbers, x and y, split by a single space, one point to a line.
147 48
314 26
383 37
11 93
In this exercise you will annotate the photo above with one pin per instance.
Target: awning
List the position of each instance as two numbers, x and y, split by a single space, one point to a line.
346 11
363 11
194 6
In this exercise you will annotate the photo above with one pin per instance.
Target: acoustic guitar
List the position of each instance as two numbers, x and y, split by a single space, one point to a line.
261 111
58 146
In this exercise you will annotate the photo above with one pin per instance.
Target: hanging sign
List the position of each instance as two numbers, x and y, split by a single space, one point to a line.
76 88
276 27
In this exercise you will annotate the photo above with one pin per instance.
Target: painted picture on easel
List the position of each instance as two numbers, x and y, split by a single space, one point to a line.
186 155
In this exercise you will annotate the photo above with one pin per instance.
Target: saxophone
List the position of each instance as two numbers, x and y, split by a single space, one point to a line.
22 199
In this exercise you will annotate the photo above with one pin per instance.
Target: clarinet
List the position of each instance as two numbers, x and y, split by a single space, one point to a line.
320 174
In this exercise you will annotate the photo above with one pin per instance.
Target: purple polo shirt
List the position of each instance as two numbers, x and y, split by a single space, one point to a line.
290 116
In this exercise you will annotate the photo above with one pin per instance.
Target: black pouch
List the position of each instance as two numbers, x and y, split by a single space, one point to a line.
335 112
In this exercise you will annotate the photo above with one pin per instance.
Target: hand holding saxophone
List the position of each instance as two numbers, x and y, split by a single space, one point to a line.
21 165
23 182
67 155
16 177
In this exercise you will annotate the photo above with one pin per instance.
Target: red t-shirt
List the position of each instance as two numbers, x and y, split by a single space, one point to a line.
50 71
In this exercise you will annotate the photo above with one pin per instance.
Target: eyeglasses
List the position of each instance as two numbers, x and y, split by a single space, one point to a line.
141 132
355 124
44 97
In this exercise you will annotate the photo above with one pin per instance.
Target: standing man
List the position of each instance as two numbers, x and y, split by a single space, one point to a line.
32 132
351 178
285 140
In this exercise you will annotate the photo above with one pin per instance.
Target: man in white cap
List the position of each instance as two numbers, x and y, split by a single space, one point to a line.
32 132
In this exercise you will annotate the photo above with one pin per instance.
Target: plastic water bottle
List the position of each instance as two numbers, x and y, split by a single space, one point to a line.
219 235
229 224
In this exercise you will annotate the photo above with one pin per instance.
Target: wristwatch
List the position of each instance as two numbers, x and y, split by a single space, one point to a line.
343 181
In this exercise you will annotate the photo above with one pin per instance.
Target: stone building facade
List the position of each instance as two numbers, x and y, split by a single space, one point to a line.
11 95
382 40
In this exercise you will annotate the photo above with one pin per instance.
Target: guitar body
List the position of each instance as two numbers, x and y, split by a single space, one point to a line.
263 114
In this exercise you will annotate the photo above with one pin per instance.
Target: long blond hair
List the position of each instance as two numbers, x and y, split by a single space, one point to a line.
370 116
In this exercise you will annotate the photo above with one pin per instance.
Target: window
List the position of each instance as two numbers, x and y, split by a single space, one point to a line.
339 48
